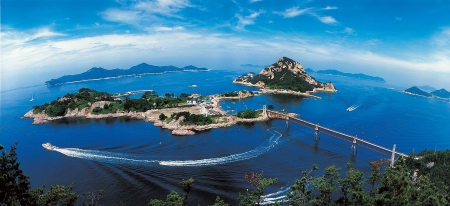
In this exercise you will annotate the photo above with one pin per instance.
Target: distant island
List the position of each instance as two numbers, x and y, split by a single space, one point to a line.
98 73
351 75
285 76
441 94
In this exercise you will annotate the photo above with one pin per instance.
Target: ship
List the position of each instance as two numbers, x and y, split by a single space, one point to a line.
48 146
192 86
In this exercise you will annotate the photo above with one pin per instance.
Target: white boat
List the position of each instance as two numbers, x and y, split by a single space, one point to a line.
48 146
193 86
32 99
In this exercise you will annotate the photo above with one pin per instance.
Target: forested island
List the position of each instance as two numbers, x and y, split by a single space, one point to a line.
287 75
97 73
182 114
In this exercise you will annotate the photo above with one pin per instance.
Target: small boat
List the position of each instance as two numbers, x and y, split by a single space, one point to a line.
48 146
193 86
32 99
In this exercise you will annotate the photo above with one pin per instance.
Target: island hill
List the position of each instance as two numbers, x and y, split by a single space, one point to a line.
441 94
182 114
285 76
97 73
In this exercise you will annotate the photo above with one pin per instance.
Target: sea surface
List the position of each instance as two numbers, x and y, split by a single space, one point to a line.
135 161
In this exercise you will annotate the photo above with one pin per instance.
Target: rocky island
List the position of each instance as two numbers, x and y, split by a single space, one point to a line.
285 76
183 115
98 73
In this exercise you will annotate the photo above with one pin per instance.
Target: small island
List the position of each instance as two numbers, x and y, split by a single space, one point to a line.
182 114
98 73
285 76
441 94
350 75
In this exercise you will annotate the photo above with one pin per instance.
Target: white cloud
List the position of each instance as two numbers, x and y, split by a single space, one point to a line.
330 8
247 20
163 7
327 19
349 30
253 1
45 33
292 12
118 15
163 28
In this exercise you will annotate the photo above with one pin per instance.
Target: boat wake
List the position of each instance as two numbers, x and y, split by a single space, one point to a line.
101 156
358 103
228 159
275 197
120 158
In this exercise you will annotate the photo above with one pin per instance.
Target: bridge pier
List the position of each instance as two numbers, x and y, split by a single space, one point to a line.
316 135
393 156
353 148
287 123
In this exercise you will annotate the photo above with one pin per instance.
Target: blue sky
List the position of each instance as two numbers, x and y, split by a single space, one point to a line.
405 42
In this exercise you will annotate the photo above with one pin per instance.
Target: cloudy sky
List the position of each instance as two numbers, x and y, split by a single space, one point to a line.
405 42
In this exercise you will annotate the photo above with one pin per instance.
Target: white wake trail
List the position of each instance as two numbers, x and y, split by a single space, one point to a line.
228 159
100 156
357 104
276 196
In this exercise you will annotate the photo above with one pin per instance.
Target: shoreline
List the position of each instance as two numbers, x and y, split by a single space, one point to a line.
277 91
153 117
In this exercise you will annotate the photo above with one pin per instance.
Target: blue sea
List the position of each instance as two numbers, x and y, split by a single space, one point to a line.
122 155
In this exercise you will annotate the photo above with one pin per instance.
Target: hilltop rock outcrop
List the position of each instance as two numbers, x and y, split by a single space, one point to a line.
285 74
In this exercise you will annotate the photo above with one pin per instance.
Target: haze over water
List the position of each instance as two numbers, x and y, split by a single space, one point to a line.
135 161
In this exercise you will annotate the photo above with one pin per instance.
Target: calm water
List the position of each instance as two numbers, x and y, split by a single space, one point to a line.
121 155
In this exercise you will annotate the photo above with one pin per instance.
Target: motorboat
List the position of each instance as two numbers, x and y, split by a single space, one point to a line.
193 86
48 146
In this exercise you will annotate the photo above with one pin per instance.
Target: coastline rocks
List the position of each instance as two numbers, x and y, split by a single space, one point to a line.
182 132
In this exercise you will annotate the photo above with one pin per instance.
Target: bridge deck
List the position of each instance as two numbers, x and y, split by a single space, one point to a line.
336 134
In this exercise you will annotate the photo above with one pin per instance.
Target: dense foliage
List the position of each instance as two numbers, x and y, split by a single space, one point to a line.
86 97
435 165
15 187
248 114
284 80
230 94
193 119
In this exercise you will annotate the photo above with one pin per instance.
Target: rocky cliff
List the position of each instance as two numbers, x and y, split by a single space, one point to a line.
285 74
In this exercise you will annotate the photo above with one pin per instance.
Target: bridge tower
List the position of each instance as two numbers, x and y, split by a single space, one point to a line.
393 156
264 111
316 134
353 148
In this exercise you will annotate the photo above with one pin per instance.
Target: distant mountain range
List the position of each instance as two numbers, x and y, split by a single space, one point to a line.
438 94
97 73
351 75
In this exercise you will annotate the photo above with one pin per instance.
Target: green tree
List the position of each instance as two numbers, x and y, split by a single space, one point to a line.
254 197
173 198
300 192
219 202
162 117
14 184
326 185
352 188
